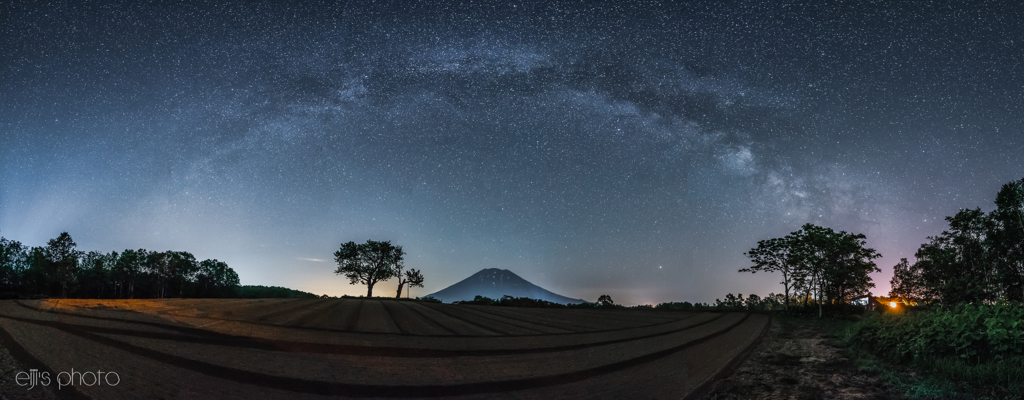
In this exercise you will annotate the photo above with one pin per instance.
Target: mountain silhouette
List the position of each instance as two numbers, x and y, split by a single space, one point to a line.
495 283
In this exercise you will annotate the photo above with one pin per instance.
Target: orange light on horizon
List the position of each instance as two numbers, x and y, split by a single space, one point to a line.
892 304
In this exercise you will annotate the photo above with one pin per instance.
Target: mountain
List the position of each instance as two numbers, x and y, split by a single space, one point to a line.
495 283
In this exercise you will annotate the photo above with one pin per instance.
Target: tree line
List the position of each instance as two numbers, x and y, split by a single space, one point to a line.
978 260
817 264
59 269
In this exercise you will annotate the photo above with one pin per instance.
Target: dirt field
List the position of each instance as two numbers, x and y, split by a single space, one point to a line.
798 360
355 348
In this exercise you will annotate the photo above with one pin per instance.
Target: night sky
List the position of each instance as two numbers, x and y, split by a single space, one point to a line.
631 150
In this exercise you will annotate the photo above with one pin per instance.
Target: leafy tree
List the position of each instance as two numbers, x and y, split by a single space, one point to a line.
850 265
957 266
973 259
368 263
605 300
39 274
13 257
183 268
907 282
128 269
95 273
836 264
64 257
826 265
774 255
158 267
412 277
1006 239
216 279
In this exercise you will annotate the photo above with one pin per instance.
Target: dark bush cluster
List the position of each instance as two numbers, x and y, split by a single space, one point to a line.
273 292
975 333
509 301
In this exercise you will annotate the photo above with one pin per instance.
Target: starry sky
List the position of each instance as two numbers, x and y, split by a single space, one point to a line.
590 147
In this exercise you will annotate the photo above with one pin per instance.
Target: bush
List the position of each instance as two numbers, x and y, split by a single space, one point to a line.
509 301
974 333
272 292
974 346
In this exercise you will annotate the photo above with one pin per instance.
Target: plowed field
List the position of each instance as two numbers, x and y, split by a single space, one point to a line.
356 348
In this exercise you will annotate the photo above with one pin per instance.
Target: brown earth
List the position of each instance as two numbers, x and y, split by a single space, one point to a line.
799 358
370 348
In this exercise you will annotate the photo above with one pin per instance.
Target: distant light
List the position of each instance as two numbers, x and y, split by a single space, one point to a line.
892 304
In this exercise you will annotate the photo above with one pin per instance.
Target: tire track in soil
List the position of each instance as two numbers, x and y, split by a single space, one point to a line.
502 328
429 320
373 317
213 338
538 320
26 359
464 320
186 328
288 309
368 390
513 321
351 325
411 323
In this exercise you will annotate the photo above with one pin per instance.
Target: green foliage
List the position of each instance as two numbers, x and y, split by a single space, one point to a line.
974 333
974 346
979 259
272 292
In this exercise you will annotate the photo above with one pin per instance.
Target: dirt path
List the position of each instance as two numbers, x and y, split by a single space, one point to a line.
799 359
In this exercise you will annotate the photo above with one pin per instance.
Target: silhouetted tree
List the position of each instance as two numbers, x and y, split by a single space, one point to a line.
95 273
605 300
216 279
59 269
64 258
368 263
906 282
1006 239
13 257
835 264
957 266
183 268
821 263
412 277
128 268
774 255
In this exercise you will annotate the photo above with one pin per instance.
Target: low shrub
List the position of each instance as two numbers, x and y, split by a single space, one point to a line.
973 333
509 301
978 348
272 292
